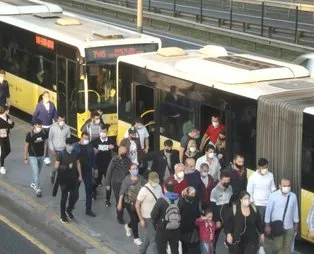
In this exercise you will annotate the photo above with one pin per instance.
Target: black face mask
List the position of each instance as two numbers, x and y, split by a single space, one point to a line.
238 166
189 199
222 139
123 155
168 150
133 138
226 185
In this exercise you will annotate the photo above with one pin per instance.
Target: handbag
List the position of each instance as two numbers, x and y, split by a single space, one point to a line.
277 225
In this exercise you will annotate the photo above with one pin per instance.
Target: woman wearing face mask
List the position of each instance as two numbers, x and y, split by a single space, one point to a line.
243 226
191 151
208 184
189 209
130 188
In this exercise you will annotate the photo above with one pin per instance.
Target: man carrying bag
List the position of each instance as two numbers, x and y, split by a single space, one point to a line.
282 217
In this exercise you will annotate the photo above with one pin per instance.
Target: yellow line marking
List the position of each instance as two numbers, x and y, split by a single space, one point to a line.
53 216
25 235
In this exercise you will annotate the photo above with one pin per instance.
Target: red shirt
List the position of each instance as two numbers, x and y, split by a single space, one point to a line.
179 187
206 230
213 132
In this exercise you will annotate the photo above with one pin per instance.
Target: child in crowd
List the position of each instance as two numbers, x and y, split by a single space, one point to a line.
207 229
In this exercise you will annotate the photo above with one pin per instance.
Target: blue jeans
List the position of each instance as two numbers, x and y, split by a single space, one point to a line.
206 248
36 164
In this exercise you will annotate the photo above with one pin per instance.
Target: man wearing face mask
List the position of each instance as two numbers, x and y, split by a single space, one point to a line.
117 170
103 147
219 200
178 178
212 132
145 203
130 188
163 161
141 133
88 166
93 126
58 133
133 145
69 175
211 160
238 175
4 90
282 206
207 185
193 176
34 150
260 185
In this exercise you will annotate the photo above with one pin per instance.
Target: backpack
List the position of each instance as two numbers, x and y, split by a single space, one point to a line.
172 215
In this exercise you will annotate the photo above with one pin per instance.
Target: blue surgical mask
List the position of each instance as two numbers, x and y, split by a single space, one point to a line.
134 172
70 149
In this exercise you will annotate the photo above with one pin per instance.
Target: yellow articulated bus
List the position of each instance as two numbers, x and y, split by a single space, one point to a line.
267 107
74 58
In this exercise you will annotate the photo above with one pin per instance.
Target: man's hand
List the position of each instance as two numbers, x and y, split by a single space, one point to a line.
53 152
107 188
10 121
218 224
146 150
119 206
110 146
267 229
25 161
80 178
262 239
142 223
229 238
95 173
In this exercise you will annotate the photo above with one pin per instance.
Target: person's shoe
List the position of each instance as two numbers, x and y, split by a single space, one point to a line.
138 241
38 192
52 179
64 220
3 171
128 231
91 214
94 195
70 214
33 186
120 220
108 204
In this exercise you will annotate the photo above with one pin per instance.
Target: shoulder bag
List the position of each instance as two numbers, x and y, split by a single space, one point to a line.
277 228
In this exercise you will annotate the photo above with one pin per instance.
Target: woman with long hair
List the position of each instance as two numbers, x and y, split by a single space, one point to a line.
243 226
192 151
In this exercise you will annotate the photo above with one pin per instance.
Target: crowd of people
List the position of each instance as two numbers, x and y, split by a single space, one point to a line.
188 195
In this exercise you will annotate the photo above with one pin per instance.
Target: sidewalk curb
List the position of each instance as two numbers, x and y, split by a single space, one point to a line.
46 220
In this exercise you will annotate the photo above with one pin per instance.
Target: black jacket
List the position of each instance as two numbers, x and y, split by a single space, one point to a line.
190 211
160 162
238 181
236 224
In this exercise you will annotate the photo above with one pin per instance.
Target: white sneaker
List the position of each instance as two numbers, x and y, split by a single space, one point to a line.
3 171
33 186
128 231
138 241
38 192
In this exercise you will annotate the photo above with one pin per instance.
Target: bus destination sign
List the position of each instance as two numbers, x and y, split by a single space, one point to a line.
42 41
113 52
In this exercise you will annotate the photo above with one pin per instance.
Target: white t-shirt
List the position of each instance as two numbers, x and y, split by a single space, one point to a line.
142 133
214 167
133 152
260 187
148 200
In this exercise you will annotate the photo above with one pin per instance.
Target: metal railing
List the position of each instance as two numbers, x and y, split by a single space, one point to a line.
287 21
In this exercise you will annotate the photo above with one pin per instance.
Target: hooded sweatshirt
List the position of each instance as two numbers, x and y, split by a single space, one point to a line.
57 136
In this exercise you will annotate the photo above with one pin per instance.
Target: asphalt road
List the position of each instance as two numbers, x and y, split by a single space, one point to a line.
18 237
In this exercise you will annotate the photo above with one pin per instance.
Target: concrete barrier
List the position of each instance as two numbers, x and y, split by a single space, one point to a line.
206 33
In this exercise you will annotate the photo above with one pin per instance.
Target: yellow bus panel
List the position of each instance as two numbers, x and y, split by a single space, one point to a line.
307 199
111 119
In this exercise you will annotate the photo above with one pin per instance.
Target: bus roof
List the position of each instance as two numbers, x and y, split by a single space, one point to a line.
242 74
87 34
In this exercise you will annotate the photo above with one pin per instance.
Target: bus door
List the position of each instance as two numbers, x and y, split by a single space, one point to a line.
67 90
145 100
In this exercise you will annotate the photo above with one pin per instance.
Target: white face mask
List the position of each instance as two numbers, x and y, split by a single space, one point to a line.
215 124
246 202
61 123
38 129
46 100
263 171
103 134
204 174
97 121
192 149
85 142
211 155
1 79
180 175
154 185
285 190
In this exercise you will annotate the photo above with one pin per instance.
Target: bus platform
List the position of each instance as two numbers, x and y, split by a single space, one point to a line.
83 235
